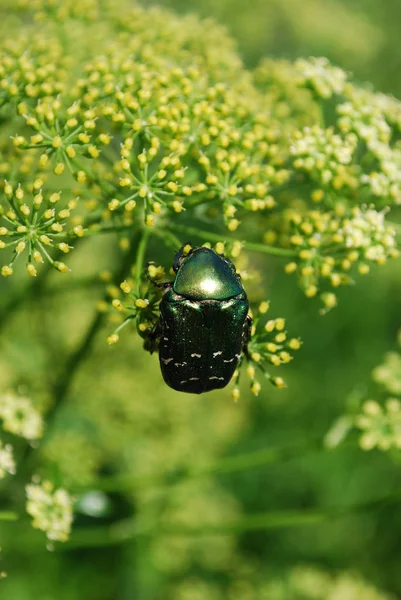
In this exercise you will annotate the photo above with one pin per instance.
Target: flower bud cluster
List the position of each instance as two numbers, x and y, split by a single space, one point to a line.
30 74
333 245
380 426
20 417
320 76
50 509
138 303
7 462
269 346
377 422
32 222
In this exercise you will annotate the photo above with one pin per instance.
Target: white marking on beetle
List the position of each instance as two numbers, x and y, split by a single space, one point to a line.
228 361
182 382
238 356
167 360
194 379
226 304
214 377
194 355
217 353
180 364
165 339
194 305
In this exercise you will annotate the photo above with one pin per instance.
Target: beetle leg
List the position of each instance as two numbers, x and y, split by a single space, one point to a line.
179 256
164 285
246 336
152 340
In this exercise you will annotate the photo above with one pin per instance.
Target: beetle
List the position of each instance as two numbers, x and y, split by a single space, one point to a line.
204 324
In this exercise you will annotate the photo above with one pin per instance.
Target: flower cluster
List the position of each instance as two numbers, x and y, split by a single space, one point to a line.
312 583
319 75
269 346
31 73
50 509
158 129
325 157
32 223
380 426
379 423
141 306
7 462
388 373
330 246
20 417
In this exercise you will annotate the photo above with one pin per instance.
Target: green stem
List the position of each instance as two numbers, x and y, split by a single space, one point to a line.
128 529
8 515
215 237
140 256
231 464
74 361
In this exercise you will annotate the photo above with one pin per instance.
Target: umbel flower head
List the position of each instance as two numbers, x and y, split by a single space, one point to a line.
381 427
33 224
158 129
378 422
7 462
50 509
20 417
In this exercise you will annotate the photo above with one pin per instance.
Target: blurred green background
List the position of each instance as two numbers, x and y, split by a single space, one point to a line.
156 449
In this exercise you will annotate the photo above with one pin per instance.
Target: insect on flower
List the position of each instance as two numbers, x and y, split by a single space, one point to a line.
204 324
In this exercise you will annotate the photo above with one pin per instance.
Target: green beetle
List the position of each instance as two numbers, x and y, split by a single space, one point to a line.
204 323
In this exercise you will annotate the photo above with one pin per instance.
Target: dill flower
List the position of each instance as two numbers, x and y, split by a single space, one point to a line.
7 462
50 509
20 417
380 426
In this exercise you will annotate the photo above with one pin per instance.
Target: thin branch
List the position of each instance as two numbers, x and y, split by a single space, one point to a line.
128 529
216 237
8 515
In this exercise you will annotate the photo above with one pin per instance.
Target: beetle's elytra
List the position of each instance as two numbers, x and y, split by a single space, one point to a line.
204 323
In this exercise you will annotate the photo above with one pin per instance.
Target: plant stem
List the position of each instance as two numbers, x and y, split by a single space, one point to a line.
140 256
215 237
7 515
75 360
230 464
128 529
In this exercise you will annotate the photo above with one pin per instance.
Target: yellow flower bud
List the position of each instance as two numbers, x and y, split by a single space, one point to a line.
256 387
125 286
31 270
114 204
59 169
278 382
57 141
250 371
235 394
290 267
20 247
141 303
62 267
233 224
6 271
70 150
37 257
294 344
